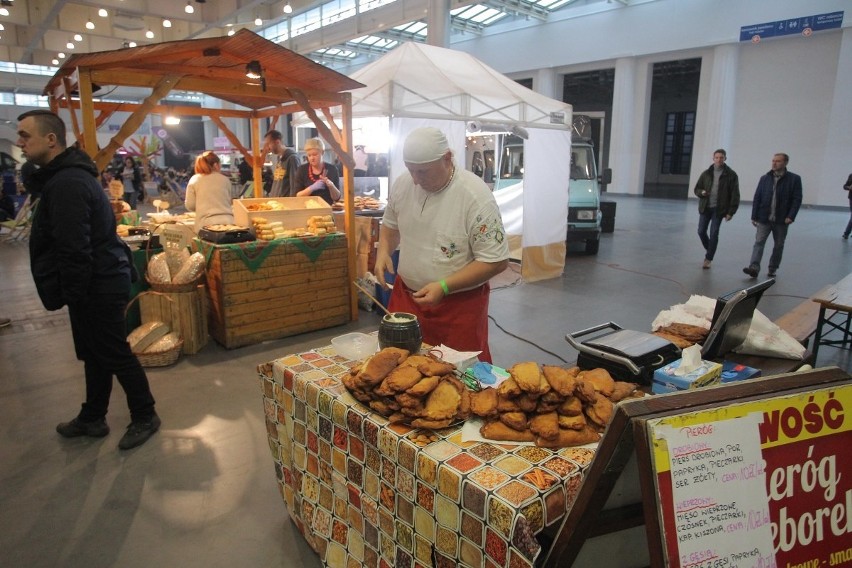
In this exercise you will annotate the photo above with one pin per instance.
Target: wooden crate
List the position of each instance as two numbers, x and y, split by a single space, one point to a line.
294 212
287 294
184 312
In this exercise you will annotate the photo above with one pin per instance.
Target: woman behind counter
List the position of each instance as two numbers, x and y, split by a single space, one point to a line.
209 193
317 177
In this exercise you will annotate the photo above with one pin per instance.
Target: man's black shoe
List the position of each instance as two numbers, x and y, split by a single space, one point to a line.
138 432
771 274
751 271
76 428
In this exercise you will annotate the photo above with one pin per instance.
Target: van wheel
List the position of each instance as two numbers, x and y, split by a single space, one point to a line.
592 246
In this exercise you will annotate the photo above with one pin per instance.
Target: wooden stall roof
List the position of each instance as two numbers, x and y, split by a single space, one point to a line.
213 66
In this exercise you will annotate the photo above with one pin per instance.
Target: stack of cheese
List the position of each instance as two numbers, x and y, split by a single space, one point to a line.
321 225
152 337
266 230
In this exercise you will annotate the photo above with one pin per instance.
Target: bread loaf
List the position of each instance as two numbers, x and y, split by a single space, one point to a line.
146 334
158 269
190 270
165 343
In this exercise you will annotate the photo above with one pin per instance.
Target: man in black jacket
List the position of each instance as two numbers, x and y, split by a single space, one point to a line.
718 191
78 260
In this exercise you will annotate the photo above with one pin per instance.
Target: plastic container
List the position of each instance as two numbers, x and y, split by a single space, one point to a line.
355 346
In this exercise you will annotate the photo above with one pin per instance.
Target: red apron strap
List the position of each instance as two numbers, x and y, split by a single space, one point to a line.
460 321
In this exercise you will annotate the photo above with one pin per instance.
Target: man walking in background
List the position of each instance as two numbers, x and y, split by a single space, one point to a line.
776 203
718 191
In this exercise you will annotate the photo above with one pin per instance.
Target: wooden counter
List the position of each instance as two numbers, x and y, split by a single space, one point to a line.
266 290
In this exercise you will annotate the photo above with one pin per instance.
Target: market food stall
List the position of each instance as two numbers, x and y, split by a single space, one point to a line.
258 80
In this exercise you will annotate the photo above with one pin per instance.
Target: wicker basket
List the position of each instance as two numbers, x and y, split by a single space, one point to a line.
157 358
160 358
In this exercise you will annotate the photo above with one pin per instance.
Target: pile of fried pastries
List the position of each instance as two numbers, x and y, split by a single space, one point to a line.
683 334
552 406
419 390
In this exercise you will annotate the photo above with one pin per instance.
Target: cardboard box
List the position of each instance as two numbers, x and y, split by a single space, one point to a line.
294 212
732 372
665 380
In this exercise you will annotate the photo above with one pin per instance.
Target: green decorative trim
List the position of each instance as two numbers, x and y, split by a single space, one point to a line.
255 252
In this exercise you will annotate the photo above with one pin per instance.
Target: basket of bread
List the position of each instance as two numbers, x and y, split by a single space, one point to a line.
175 271
154 344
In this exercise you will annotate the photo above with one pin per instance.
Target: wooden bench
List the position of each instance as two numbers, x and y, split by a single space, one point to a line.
801 321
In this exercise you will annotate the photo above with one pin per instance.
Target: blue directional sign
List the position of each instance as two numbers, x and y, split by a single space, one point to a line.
795 26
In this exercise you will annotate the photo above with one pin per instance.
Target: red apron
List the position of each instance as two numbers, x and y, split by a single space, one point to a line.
460 321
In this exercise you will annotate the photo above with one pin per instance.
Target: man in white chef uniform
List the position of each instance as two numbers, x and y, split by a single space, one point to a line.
451 241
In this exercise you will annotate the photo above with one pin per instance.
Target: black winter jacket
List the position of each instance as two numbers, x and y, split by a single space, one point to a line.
74 250
728 199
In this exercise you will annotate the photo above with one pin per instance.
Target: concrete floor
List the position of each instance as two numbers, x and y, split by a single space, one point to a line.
203 493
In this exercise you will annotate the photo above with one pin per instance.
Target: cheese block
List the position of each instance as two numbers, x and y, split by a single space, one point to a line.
146 335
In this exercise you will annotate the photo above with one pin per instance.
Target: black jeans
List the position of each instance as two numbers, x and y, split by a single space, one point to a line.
100 341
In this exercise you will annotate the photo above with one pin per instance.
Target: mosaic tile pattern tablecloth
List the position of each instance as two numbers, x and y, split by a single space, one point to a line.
366 493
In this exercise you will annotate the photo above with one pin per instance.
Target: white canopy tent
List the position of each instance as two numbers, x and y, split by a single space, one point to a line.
422 85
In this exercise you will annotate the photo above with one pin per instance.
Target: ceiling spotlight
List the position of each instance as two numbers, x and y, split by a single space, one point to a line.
131 44
4 12
90 25
253 69
60 55
149 34
54 62
69 45
167 23
258 21
231 32
171 120
2 28
189 9
288 9
103 13
78 37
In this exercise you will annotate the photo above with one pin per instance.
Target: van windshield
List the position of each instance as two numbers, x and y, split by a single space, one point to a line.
582 163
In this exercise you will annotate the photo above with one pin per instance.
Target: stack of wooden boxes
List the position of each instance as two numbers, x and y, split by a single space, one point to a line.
184 312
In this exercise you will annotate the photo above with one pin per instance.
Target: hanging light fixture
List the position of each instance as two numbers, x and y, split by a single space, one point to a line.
288 9
167 23
54 62
78 37
60 55
69 45
171 120
131 44
231 32
90 25
149 34
2 28
254 70
189 9
258 21
103 13
4 12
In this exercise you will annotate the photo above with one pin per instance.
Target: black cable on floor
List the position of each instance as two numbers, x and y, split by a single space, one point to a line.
518 337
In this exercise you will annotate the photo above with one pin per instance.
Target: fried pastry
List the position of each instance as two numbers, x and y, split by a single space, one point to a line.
585 390
676 339
565 438
545 425
527 375
600 411
560 380
572 406
527 402
484 402
442 402
496 430
516 420
508 388
402 378
506 404
600 379
572 422
433 367
414 360
464 405
424 386
431 424
622 390
406 400
379 366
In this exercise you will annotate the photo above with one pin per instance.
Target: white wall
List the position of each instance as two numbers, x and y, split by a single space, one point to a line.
789 94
